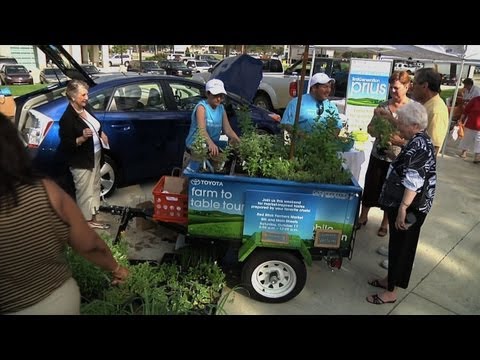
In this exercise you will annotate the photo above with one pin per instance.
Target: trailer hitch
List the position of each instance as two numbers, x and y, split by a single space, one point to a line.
128 213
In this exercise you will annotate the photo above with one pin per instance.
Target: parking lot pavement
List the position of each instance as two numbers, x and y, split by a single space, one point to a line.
145 241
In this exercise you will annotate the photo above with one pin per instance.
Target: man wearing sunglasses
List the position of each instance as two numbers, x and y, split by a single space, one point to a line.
315 106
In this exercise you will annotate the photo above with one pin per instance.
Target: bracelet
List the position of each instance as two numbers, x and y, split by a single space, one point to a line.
405 204
116 269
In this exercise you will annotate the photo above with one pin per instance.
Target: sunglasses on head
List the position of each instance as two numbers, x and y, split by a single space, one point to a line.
319 109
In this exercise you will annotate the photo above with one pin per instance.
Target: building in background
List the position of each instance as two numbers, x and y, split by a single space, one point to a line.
35 60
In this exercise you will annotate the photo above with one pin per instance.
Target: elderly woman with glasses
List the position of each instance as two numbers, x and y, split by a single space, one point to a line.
406 197
315 106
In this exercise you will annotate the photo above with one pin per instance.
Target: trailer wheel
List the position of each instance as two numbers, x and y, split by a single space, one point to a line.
274 276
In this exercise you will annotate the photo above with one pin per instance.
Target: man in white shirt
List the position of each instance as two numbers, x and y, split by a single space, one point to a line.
469 90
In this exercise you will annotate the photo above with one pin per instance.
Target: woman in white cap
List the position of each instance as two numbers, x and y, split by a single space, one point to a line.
209 118
315 105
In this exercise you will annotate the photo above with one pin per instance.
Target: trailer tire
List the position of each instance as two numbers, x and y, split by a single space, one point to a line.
274 276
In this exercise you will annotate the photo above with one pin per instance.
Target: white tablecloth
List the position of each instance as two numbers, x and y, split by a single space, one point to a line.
354 160
357 161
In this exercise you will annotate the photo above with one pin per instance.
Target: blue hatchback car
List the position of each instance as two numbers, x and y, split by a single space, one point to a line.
146 118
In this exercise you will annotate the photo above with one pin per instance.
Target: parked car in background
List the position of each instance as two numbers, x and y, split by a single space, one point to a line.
212 60
52 75
176 68
146 141
119 59
15 75
7 61
197 66
449 80
90 69
147 66
401 66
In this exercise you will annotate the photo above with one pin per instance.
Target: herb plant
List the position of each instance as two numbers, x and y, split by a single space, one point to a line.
316 158
383 130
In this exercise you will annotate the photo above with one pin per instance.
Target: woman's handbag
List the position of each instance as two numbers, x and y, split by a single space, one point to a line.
461 131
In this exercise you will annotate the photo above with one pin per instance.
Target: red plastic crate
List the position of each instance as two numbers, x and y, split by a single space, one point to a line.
169 204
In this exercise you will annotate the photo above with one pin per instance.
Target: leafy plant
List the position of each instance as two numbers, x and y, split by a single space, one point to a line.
201 154
316 158
382 129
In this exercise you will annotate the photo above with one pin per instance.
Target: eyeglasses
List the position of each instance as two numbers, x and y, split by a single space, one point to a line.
319 108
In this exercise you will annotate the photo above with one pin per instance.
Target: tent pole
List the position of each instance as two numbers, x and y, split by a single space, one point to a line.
299 103
452 108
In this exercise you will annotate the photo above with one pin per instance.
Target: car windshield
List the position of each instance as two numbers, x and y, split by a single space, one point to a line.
16 70
53 72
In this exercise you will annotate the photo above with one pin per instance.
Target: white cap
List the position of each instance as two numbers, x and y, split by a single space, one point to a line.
320 78
215 87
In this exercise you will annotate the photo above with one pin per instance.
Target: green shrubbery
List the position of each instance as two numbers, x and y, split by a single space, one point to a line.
191 286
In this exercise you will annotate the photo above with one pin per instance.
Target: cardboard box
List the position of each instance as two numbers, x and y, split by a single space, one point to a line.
175 185
7 105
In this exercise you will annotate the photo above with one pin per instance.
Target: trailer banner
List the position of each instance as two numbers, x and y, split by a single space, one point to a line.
234 207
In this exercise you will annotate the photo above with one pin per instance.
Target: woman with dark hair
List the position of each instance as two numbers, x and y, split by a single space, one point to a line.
37 222
81 139
406 197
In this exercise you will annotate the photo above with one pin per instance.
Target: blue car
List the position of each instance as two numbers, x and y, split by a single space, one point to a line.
146 133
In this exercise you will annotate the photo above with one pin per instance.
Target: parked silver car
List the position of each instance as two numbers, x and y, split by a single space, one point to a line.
52 76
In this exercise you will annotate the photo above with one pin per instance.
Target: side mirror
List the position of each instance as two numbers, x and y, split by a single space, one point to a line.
210 69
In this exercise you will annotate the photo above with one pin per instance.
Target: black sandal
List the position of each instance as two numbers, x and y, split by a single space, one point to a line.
377 300
377 284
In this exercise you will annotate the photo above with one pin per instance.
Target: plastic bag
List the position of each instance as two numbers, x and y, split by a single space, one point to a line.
454 133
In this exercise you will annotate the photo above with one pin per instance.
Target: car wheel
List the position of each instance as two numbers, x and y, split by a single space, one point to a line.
108 177
110 63
262 100
126 63
274 276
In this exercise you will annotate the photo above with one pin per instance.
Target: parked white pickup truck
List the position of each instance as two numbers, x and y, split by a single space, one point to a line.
277 88
269 94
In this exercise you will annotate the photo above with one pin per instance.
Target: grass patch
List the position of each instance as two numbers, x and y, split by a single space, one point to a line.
18 90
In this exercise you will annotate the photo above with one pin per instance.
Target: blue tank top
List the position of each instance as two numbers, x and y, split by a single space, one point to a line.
214 120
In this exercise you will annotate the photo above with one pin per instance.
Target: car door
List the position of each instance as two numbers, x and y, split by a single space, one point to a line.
184 95
141 135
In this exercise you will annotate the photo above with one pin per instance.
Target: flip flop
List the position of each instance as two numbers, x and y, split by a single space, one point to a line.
376 283
375 299
382 232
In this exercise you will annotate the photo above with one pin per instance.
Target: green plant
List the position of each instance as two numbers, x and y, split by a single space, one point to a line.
382 130
316 157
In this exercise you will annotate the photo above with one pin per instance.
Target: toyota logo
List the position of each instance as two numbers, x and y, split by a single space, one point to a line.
195 182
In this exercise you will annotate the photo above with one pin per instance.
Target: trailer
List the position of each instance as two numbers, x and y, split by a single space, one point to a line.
273 227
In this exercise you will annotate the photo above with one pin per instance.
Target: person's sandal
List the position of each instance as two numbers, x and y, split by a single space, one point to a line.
382 231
